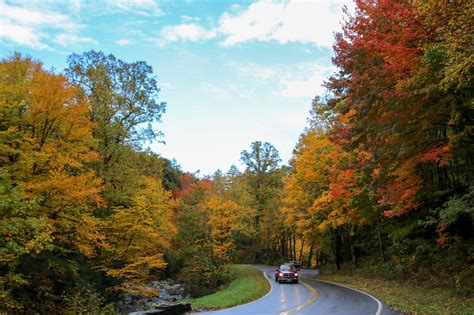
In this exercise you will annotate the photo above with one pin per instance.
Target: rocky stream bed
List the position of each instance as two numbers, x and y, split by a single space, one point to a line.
167 303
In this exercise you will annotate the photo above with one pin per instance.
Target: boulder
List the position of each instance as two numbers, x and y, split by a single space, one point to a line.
167 309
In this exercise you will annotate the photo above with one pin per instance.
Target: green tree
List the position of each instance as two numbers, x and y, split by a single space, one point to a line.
125 107
263 179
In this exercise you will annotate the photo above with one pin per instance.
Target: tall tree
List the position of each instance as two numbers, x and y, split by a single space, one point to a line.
264 181
49 187
124 106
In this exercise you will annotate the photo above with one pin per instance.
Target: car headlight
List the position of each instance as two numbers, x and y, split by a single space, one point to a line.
296 274
280 274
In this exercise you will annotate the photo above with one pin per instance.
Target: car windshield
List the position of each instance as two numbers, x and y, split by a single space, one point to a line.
286 267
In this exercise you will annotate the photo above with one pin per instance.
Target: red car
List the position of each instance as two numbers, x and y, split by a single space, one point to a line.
286 273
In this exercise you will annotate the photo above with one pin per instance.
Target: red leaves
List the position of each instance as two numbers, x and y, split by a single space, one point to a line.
190 185
399 197
437 155
342 183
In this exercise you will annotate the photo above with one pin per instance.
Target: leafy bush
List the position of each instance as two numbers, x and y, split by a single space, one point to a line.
86 301
202 277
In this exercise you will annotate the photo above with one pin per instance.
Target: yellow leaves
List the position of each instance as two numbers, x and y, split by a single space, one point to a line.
139 235
223 221
88 236
306 190
46 144
345 118
317 191
135 272
47 148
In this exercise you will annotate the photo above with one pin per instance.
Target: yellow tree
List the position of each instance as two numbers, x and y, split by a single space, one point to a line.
138 236
223 222
308 199
46 145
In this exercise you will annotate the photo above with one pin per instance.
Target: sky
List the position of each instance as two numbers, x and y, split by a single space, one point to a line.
231 72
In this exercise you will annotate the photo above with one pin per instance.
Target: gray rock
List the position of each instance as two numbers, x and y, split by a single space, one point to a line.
166 303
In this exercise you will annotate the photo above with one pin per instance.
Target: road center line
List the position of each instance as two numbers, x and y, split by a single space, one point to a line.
314 296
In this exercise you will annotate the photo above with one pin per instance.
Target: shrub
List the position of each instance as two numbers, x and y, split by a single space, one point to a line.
202 277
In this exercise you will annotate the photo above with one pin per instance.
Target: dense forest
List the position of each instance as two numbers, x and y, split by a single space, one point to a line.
383 174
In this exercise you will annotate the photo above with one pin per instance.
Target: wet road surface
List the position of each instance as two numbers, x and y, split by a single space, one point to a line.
302 299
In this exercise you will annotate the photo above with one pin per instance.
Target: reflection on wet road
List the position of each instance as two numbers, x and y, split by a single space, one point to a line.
288 299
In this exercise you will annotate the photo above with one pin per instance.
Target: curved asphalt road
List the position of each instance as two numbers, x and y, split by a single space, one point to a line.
301 299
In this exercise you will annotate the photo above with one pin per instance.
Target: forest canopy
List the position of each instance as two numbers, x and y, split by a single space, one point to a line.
382 175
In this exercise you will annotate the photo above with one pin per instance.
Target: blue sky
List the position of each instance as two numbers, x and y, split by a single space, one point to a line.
232 72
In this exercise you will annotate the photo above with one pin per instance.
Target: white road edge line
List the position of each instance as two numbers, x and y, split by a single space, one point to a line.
380 306
240 305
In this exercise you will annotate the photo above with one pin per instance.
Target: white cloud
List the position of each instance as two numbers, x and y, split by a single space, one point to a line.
293 21
31 26
66 39
300 80
254 70
258 22
308 87
308 22
189 19
305 80
191 32
21 35
235 7
212 89
140 7
123 42
28 16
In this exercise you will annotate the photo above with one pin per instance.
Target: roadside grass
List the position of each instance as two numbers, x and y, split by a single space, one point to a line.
405 296
248 285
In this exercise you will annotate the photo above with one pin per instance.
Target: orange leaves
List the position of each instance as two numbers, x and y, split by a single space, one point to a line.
320 186
345 118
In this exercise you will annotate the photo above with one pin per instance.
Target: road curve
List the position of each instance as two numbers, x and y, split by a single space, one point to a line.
289 299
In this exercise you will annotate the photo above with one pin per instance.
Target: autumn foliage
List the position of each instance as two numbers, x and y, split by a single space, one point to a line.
388 155
58 224
383 174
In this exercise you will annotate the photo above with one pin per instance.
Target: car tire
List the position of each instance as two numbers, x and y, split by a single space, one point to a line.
296 281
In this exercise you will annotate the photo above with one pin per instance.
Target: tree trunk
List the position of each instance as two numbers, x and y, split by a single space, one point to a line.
379 233
310 256
353 238
273 251
335 242
294 246
300 259
290 249
283 245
